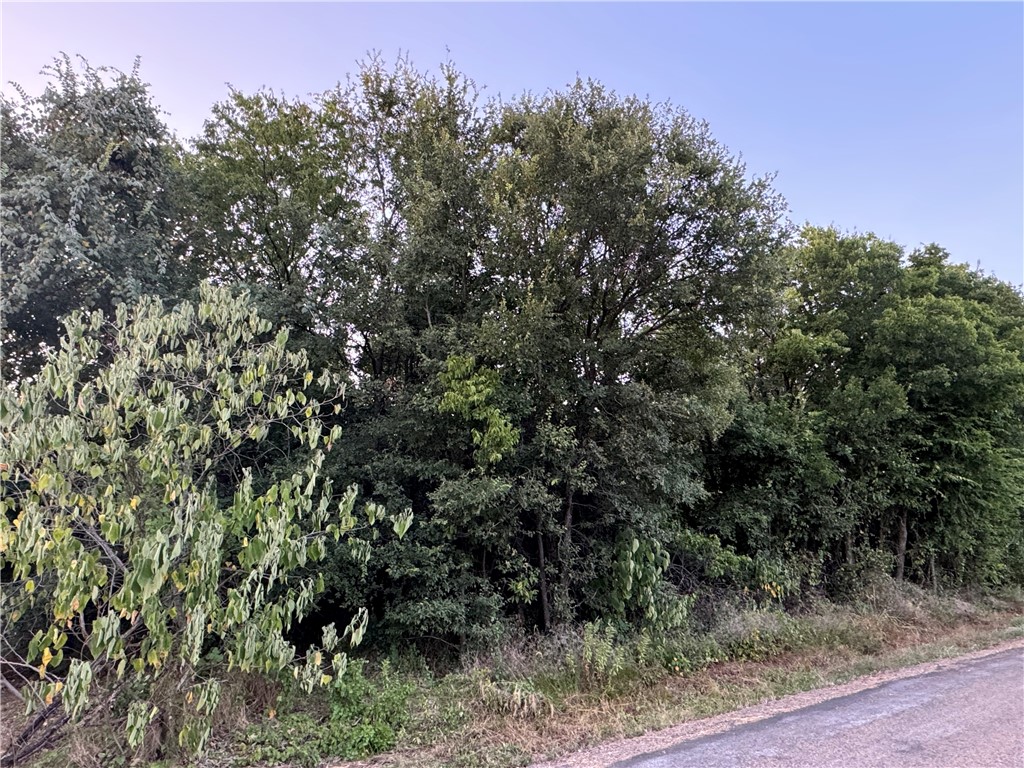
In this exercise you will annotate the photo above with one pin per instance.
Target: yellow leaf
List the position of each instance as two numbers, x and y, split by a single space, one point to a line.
271 713
47 657
134 502
30 586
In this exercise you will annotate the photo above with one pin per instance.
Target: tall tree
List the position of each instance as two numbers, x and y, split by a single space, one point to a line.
909 371
627 244
952 339
86 209
269 204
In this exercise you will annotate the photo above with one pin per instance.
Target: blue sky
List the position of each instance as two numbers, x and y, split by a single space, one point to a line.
903 119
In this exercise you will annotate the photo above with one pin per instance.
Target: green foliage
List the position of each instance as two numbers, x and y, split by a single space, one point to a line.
135 514
583 350
884 417
366 715
638 593
686 653
269 203
601 658
292 738
87 207
466 394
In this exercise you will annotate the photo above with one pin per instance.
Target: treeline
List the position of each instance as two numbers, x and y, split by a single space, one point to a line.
581 345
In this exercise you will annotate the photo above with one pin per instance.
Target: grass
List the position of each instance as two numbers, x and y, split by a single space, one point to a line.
544 696
534 701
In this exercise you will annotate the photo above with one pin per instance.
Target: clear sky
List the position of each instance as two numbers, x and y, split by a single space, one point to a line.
903 119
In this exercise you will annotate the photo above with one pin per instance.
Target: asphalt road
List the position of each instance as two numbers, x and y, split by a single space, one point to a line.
970 715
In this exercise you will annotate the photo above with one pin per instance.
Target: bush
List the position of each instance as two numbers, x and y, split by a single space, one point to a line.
137 529
686 653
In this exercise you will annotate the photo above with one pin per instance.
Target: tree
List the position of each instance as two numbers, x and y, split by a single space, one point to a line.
141 518
270 203
629 248
821 442
903 377
86 208
952 338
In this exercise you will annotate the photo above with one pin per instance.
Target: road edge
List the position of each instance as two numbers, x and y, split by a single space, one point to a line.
611 752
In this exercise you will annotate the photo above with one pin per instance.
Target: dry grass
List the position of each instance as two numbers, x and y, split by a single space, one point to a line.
532 699
98 742
892 628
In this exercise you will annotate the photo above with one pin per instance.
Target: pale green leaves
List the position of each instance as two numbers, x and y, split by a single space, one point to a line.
116 502
469 392
402 522
76 688
140 715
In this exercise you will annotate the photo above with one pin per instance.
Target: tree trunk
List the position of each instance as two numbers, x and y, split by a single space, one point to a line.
545 605
565 554
901 547
849 548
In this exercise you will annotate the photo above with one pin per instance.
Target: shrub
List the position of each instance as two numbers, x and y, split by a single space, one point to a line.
135 530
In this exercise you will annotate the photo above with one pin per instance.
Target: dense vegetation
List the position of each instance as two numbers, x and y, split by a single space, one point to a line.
579 346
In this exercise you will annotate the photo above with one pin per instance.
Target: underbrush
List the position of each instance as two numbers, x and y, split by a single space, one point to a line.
538 695
256 723
357 718
542 695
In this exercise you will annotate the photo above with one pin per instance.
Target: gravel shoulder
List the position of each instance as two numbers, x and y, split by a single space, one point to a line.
611 753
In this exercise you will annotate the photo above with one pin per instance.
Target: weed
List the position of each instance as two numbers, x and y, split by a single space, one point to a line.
550 694
495 756
517 698
686 653
601 657
365 717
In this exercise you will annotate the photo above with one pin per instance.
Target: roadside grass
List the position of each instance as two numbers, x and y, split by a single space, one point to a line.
538 700
540 697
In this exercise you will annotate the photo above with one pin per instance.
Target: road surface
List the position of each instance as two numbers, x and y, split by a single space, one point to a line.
969 714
